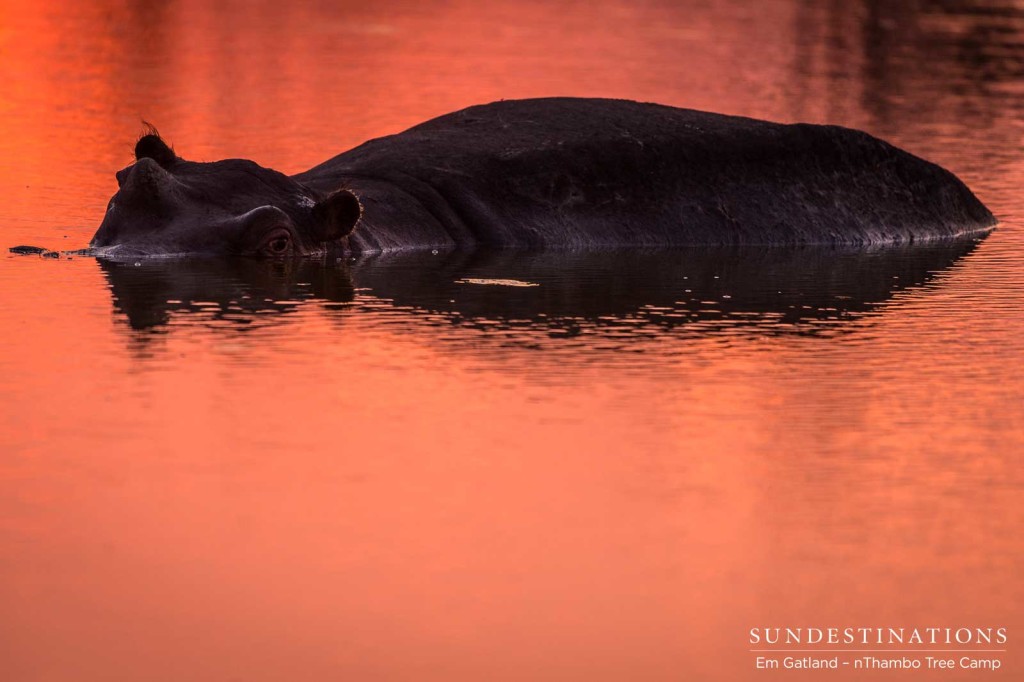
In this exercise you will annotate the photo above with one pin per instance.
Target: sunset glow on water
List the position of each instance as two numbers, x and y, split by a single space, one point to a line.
498 466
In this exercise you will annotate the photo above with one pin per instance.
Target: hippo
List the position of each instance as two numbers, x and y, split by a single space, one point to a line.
551 173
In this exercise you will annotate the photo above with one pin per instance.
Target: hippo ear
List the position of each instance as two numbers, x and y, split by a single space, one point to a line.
336 215
153 147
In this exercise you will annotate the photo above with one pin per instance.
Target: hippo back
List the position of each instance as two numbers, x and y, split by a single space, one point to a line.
586 173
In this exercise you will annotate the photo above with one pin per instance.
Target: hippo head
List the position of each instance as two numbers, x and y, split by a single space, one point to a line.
166 205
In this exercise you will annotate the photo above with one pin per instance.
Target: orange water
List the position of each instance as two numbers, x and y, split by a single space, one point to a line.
375 472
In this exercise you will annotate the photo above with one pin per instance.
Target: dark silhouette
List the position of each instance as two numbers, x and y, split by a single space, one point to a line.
548 173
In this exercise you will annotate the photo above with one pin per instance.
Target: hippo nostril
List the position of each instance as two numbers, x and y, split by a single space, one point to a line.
147 184
148 170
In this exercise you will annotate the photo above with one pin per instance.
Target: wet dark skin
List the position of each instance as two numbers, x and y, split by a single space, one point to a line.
556 173
167 205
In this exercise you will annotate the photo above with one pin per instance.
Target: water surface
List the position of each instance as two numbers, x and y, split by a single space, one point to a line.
497 466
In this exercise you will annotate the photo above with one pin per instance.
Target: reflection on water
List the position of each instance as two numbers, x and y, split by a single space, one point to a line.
397 468
238 291
626 294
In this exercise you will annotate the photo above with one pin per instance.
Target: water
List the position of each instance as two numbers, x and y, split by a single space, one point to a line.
408 468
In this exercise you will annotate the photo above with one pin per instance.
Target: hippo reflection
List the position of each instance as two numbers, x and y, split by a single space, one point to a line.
565 173
236 291
684 291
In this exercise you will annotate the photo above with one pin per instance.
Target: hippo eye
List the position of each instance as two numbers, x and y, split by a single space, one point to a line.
278 243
